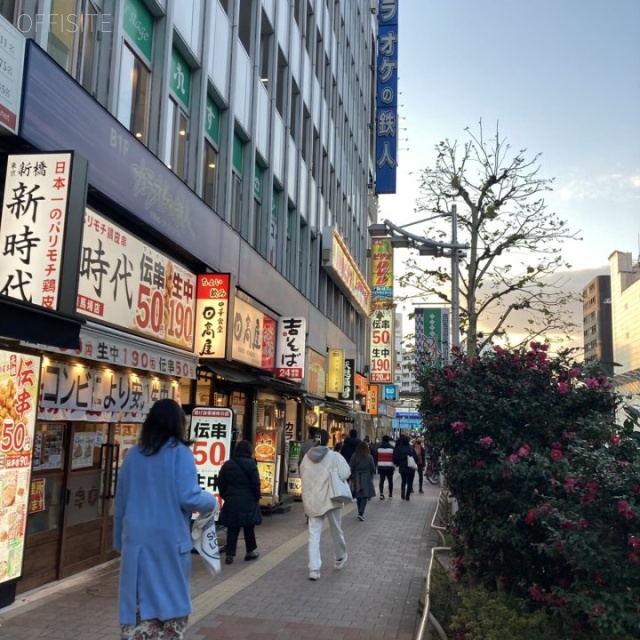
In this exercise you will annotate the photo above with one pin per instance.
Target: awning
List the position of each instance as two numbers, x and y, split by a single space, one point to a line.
330 406
231 374
32 323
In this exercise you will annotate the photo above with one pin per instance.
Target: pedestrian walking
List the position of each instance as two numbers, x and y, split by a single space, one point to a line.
362 470
349 445
374 452
157 492
308 443
386 467
418 447
239 486
315 472
402 451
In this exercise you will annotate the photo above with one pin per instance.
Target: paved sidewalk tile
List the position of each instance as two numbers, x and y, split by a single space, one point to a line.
375 595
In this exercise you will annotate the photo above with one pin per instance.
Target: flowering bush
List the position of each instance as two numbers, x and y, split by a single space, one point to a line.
548 485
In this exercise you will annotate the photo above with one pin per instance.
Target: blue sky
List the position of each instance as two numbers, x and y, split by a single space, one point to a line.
562 77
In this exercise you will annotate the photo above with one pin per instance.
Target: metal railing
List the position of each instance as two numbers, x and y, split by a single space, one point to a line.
437 524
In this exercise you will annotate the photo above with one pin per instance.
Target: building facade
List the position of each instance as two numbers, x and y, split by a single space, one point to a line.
596 323
625 312
228 149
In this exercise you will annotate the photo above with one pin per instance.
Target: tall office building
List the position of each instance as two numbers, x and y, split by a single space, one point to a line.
596 323
625 311
217 167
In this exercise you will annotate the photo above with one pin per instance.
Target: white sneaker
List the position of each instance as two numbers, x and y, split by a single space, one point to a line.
314 575
338 564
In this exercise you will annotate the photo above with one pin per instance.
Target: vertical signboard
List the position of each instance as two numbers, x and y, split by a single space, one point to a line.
19 393
210 429
387 97
349 380
381 347
11 69
212 315
372 400
432 337
292 336
34 214
335 372
381 272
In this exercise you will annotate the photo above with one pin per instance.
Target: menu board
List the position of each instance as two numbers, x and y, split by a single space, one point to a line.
18 400
266 456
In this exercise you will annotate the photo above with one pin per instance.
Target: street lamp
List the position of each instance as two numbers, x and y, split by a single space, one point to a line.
402 239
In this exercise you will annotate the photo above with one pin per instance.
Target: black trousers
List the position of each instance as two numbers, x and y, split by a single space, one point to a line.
386 472
232 539
420 473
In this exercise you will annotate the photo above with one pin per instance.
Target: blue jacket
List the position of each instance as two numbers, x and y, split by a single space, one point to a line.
154 501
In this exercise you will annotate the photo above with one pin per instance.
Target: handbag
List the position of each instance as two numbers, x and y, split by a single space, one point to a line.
339 489
411 463
205 541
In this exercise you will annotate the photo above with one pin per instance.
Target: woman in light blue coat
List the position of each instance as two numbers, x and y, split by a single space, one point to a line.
156 494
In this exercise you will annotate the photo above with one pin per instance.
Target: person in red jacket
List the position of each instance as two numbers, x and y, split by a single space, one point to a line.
386 468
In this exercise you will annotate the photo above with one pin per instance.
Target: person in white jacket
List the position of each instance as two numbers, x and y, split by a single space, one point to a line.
315 473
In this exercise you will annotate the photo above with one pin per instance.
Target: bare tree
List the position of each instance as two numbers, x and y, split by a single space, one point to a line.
515 243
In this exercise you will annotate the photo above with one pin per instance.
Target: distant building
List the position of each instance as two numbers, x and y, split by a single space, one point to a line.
625 310
596 323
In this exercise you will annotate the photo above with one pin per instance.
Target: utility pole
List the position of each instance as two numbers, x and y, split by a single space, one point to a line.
455 289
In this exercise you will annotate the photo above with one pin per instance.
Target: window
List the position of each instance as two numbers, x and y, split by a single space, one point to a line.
258 242
7 10
236 184
133 96
177 125
74 37
281 89
244 24
210 179
175 150
290 256
273 229
266 33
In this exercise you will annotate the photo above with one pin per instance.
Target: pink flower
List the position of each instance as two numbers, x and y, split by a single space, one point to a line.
530 518
556 455
513 458
575 372
592 383
614 439
570 484
565 524
457 426
437 399
486 442
626 510
524 451
634 542
563 387
480 464
584 523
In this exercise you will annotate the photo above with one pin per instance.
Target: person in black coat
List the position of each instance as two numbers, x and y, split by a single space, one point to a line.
239 486
402 451
349 445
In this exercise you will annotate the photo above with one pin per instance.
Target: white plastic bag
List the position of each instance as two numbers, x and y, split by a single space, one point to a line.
205 541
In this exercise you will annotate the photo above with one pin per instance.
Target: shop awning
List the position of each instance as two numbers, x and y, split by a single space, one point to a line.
231 374
31 323
328 405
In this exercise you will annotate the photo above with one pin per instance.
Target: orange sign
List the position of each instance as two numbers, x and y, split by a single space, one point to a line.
372 400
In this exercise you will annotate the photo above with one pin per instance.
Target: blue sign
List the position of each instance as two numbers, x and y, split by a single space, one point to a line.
390 392
387 97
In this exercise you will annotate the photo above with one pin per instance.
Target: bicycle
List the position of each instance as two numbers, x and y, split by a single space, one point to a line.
432 470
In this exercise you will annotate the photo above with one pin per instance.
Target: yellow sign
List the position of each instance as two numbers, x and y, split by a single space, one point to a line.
335 373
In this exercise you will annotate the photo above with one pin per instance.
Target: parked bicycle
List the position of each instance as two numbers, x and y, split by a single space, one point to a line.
432 468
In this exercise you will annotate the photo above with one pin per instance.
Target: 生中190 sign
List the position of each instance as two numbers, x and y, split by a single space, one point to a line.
381 347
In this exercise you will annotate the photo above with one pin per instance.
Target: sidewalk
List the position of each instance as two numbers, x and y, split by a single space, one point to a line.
375 595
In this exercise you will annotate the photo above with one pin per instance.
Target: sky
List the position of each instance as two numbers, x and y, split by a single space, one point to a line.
560 77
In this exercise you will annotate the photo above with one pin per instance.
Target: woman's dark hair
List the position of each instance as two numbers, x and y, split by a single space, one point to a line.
243 448
165 421
362 449
403 440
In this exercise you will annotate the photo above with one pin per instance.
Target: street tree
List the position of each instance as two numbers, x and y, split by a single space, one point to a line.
514 258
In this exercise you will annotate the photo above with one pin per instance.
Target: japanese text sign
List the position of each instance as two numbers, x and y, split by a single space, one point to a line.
372 400
381 272
291 346
34 213
316 379
18 398
381 346
335 372
387 97
212 315
348 380
248 341
127 283
211 429
432 337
